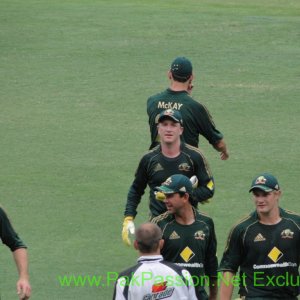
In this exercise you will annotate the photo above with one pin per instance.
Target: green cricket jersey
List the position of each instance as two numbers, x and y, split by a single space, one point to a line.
154 168
7 234
196 118
193 247
268 256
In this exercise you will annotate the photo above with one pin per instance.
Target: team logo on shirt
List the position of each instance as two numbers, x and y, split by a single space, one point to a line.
160 290
187 254
184 167
275 254
287 234
199 235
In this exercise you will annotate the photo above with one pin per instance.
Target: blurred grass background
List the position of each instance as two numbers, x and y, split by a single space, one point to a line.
75 76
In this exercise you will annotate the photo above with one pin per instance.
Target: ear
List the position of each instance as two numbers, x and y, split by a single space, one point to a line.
191 78
135 245
170 75
186 197
181 130
161 244
278 193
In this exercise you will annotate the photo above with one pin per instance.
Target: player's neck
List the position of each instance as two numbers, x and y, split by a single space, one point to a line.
171 150
178 86
270 218
186 216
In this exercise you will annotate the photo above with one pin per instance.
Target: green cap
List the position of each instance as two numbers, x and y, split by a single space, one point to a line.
176 184
182 68
170 114
265 182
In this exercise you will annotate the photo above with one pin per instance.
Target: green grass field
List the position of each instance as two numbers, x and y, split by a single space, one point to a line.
75 76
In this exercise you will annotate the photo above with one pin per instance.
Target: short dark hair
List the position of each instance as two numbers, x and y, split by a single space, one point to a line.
181 79
148 236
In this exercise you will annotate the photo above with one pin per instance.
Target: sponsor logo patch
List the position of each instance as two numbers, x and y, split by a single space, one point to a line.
174 236
187 254
158 167
259 238
275 254
160 291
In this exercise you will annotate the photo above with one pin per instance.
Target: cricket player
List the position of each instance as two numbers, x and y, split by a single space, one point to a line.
265 247
196 117
11 239
189 236
170 157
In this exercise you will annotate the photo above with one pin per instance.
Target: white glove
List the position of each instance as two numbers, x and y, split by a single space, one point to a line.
128 227
194 181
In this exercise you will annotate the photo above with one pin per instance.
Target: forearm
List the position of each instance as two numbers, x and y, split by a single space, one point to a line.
21 259
133 200
204 192
221 146
226 288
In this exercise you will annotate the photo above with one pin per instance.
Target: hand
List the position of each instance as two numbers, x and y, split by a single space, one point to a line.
194 181
224 155
128 227
23 289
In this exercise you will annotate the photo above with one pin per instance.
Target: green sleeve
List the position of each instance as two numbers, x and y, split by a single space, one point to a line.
152 113
211 260
206 185
233 252
205 124
8 235
137 189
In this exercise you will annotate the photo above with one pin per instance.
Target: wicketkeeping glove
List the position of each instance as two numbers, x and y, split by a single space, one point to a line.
128 227
160 196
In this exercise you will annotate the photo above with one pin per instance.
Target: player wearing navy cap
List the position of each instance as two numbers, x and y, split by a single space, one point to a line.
170 157
196 117
265 247
189 236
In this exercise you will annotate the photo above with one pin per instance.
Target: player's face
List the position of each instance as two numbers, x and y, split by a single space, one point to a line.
169 131
174 202
265 202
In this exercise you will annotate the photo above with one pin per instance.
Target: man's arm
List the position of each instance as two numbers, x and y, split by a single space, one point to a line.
220 146
23 285
211 261
213 288
134 196
204 189
226 287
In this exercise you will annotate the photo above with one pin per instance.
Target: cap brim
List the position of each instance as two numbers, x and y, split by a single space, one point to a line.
165 190
262 188
162 118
